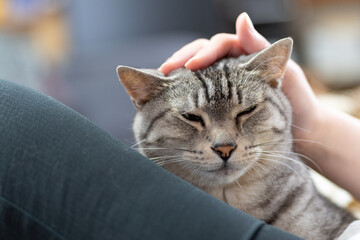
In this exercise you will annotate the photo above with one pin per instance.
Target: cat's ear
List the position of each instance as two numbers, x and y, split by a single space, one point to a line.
141 85
271 62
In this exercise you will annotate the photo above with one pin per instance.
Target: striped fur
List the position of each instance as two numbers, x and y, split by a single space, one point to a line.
239 101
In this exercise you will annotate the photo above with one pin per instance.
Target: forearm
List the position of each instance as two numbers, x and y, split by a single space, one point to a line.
334 144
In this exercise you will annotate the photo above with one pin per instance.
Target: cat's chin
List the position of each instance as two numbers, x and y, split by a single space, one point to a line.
220 177
225 171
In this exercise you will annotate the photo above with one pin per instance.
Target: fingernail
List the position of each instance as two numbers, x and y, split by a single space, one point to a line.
249 23
189 62
159 69
167 61
162 69
253 31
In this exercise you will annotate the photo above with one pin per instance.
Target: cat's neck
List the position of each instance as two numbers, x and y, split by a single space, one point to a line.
245 193
275 199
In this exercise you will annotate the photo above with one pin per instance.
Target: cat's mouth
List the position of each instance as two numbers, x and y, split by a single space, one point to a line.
225 168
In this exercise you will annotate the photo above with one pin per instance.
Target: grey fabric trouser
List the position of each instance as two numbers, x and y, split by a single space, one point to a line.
62 177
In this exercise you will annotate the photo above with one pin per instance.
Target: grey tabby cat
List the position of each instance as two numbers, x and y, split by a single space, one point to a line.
227 130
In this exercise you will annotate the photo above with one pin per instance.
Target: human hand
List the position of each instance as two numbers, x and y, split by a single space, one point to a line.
203 52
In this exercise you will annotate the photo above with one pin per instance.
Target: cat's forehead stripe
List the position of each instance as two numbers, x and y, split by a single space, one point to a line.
196 99
226 71
224 86
229 88
205 88
227 79
218 86
239 95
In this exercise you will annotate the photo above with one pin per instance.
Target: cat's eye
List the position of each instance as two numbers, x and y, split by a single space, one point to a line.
247 111
193 118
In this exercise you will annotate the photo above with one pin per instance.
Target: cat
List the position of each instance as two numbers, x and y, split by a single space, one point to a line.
227 130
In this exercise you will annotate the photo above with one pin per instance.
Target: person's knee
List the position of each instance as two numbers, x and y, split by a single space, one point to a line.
22 104
14 98
25 112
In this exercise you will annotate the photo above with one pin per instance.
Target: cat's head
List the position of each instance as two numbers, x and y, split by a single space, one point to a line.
215 125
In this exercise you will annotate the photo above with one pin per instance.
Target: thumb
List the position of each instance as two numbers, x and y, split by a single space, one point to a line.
250 40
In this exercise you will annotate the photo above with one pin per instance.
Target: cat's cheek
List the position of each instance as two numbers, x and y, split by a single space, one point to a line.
278 122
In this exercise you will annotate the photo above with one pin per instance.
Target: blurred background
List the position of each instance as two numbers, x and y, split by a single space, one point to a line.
70 49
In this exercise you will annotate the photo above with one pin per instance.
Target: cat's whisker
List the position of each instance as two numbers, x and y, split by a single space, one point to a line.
169 161
157 148
175 159
283 157
267 170
281 141
300 155
288 142
258 173
286 158
310 141
272 165
264 157
237 182
169 166
300 128
138 143
196 169
162 157
282 163
154 148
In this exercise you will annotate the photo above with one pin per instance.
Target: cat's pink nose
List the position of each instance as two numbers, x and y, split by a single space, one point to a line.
224 151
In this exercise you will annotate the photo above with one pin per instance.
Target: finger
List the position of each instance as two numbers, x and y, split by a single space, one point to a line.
219 46
179 58
251 41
